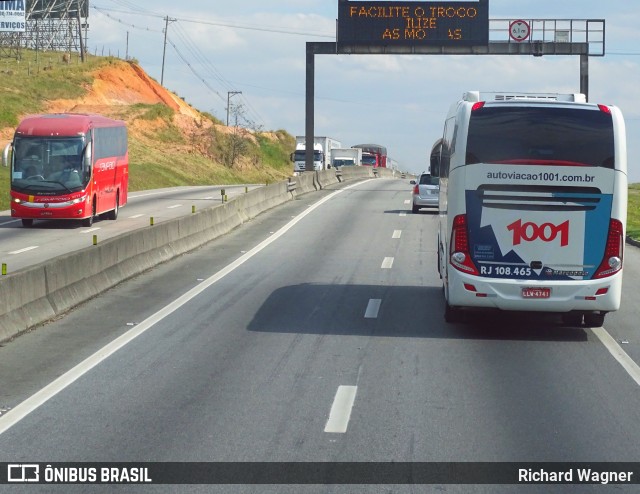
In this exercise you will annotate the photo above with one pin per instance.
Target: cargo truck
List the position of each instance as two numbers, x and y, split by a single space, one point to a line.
346 157
322 147
373 155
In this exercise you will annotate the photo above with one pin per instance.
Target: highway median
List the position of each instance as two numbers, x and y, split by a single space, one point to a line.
37 294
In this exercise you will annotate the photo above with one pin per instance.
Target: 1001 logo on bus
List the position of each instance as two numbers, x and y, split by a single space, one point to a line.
547 232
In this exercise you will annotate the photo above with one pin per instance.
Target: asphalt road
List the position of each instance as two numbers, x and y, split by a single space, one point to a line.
315 333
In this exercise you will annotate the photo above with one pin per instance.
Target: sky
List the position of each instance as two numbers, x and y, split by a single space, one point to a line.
252 53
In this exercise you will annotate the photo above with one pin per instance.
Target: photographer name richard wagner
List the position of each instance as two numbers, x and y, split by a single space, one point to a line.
574 475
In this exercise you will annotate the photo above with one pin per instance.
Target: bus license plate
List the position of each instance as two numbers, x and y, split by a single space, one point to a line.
536 292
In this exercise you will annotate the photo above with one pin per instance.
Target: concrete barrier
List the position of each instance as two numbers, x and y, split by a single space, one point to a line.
37 294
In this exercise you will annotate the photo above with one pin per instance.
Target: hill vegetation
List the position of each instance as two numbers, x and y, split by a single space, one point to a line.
170 142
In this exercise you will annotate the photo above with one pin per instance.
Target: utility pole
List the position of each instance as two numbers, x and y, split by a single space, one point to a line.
164 50
79 20
229 94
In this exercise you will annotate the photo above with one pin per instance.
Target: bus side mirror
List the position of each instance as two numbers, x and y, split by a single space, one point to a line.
435 158
5 155
435 166
88 157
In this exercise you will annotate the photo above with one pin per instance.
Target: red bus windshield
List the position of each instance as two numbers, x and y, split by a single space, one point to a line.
48 165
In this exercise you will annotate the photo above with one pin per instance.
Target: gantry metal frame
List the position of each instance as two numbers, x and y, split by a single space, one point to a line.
582 37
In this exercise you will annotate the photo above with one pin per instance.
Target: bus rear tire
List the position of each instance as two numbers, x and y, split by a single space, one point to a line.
452 315
27 222
572 319
594 320
113 214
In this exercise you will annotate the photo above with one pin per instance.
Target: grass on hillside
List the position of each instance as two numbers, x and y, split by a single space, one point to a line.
157 158
39 77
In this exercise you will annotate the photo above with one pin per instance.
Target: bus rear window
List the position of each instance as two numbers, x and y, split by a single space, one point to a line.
540 135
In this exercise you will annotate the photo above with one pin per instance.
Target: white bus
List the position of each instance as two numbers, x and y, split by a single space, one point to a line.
533 205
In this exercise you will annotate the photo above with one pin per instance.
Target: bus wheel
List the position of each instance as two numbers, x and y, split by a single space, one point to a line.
113 214
27 222
89 221
572 319
451 315
594 320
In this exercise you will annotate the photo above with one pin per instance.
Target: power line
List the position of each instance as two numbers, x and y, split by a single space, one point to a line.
226 24
120 21
197 54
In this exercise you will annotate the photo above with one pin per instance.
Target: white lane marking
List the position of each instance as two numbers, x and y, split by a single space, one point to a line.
372 308
135 216
26 249
90 229
174 206
387 263
9 221
396 233
407 201
19 412
618 353
131 196
403 213
341 409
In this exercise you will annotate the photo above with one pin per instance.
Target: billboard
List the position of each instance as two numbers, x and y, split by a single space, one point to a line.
389 23
12 16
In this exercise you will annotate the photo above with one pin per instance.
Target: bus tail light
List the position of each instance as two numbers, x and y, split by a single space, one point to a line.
612 260
460 257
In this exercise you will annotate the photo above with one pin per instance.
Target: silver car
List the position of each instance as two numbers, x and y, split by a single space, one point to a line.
425 192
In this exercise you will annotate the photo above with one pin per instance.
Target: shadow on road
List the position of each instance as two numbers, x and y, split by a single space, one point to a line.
404 312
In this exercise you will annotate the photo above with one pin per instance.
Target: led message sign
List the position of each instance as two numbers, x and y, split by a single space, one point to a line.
391 23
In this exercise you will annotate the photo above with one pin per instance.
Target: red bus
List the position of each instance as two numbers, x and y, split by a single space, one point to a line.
68 166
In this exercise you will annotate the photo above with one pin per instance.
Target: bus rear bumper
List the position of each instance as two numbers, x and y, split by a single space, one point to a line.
601 295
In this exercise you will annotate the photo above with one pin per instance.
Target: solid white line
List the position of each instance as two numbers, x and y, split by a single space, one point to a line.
387 263
174 206
23 250
91 229
372 308
135 216
16 414
10 221
618 353
396 233
341 409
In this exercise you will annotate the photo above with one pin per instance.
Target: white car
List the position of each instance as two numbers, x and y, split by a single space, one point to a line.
425 192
